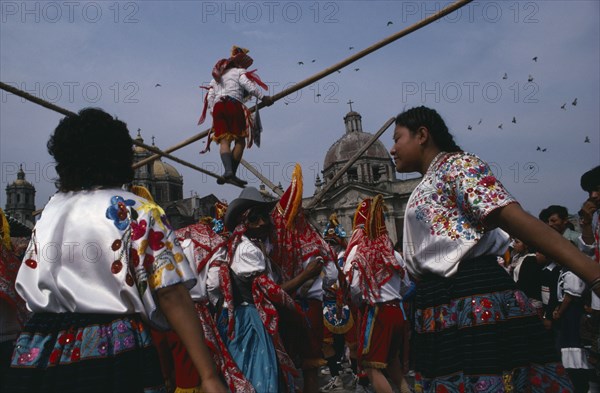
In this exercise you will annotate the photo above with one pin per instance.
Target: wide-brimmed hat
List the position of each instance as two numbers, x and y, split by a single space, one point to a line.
249 197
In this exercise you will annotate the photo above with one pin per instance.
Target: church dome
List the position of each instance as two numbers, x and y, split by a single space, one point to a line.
345 147
162 170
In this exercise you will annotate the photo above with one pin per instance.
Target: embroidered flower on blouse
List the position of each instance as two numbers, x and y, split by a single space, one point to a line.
155 240
138 229
118 211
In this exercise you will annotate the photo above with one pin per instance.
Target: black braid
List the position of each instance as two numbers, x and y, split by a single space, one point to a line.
425 117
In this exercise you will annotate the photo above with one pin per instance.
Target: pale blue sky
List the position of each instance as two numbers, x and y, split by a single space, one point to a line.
112 54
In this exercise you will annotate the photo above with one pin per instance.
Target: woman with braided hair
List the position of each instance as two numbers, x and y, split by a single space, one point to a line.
470 319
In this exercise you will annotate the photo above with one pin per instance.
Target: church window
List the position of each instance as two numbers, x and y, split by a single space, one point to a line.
377 170
352 174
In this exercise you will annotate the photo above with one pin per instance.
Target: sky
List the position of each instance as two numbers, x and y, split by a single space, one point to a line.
476 67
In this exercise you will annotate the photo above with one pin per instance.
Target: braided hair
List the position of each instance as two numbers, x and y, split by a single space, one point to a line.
425 117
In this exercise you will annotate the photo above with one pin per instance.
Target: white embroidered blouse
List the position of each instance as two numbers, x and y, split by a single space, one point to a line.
101 251
444 220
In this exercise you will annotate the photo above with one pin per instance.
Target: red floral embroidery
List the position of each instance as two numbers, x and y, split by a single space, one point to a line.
138 229
134 257
54 356
155 240
122 212
31 263
116 267
148 261
75 354
66 338
441 389
116 245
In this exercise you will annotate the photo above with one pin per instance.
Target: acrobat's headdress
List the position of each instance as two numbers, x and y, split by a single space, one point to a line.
239 57
370 215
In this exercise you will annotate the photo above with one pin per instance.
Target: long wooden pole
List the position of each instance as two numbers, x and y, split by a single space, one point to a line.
66 112
262 178
430 19
350 162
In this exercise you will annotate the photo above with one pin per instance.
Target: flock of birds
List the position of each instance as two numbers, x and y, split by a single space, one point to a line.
514 119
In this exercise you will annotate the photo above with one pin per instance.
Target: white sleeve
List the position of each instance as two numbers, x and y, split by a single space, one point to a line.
213 285
355 291
212 94
573 285
250 86
406 279
330 274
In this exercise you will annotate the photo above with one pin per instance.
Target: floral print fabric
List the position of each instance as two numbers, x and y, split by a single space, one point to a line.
446 213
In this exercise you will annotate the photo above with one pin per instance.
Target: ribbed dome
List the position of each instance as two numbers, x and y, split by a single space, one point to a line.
349 144
162 171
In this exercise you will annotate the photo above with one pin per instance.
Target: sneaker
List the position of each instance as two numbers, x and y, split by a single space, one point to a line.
335 384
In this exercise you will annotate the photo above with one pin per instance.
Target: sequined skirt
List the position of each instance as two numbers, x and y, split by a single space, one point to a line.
475 332
72 352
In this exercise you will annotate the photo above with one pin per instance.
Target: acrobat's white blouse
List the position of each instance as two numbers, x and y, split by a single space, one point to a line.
101 251
235 84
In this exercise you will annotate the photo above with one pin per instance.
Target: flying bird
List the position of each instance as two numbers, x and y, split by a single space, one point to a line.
350 48
514 120
356 69
505 76
339 72
157 85
563 106
538 149
318 94
530 79
500 126
390 23
480 120
587 140
574 102
469 128
300 63
534 59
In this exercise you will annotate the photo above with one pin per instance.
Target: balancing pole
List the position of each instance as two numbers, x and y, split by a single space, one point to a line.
66 112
